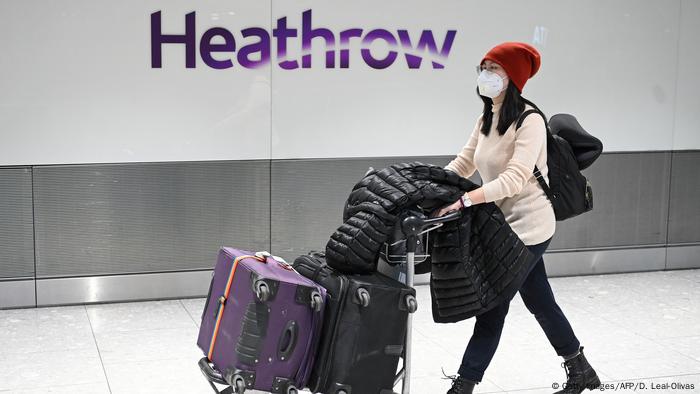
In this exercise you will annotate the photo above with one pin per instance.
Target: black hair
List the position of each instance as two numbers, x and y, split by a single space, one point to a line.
513 105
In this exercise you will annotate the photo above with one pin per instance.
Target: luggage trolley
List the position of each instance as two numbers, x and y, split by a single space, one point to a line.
411 236
407 247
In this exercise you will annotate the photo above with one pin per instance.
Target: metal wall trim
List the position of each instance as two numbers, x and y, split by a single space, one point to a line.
596 248
673 244
17 278
124 273
126 163
117 288
679 257
447 157
17 294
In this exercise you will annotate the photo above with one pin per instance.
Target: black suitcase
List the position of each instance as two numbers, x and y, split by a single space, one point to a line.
363 331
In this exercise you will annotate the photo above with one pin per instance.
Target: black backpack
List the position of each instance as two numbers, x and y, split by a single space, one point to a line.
570 149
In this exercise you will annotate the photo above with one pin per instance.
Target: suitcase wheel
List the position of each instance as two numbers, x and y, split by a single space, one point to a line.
316 302
363 297
411 303
292 390
239 384
262 291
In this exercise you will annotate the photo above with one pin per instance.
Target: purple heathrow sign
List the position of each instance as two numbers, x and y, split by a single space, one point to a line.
337 45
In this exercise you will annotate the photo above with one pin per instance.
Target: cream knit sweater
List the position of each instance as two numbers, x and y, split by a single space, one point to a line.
505 164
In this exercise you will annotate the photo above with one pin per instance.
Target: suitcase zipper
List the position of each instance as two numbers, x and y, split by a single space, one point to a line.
305 367
323 374
329 357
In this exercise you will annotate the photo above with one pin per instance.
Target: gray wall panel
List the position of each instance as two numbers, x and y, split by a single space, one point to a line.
684 214
590 262
16 228
630 203
154 217
686 133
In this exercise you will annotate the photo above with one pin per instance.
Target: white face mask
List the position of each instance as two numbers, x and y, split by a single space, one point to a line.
490 84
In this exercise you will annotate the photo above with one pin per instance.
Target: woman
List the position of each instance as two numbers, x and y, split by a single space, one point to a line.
506 158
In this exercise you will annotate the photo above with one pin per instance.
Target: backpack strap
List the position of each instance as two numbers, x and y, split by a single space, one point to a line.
536 172
543 184
525 114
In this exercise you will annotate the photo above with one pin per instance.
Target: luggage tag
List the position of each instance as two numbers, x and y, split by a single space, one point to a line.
279 260
263 255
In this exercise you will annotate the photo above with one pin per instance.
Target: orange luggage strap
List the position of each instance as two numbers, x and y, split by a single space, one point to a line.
224 298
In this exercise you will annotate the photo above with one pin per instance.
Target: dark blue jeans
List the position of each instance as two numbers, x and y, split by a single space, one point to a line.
539 300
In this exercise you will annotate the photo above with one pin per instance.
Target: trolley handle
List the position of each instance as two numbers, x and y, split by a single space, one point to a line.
212 375
452 215
413 225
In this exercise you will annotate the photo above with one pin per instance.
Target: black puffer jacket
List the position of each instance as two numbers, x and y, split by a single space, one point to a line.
478 261
370 211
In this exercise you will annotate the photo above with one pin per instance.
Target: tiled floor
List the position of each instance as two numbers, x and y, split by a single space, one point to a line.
642 327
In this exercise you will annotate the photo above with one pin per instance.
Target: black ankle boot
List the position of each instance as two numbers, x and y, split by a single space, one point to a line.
461 385
579 375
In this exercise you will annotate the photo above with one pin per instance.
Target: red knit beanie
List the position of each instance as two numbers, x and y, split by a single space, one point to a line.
520 60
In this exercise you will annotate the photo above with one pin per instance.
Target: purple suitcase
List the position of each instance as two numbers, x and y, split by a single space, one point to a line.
264 334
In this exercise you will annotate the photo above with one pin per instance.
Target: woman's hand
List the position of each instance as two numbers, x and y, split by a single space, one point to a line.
455 206
476 197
